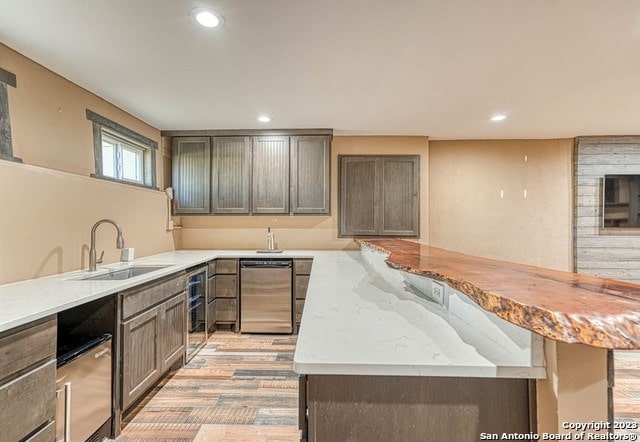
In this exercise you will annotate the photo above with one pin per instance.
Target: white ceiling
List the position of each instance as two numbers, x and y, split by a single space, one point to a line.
558 68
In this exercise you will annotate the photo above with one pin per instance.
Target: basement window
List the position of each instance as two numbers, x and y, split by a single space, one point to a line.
121 154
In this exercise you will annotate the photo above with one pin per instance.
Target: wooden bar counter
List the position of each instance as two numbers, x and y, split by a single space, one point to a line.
563 306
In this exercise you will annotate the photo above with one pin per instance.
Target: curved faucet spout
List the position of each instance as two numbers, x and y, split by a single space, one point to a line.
93 260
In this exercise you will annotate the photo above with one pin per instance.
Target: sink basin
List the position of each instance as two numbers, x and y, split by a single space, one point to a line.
129 272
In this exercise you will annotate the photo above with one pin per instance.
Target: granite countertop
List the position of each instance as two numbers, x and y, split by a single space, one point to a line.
563 306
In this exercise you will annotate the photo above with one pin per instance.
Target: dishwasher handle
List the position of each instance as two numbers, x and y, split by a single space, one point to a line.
266 264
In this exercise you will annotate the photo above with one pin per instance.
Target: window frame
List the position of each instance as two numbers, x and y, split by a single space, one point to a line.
6 147
104 126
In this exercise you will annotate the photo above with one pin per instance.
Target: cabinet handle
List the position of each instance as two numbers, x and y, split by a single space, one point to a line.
67 412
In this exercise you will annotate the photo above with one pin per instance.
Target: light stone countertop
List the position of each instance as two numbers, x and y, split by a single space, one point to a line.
363 318
26 301
360 317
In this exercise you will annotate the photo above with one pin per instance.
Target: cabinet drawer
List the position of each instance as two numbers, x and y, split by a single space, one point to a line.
226 266
38 338
302 266
225 286
212 268
225 310
28 402
302 282
139 299
299 308
47 434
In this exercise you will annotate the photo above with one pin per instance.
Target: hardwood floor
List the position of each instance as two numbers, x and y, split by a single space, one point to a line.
626 392
237 388
243 388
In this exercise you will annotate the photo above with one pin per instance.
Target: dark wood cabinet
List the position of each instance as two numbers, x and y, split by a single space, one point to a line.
379 195
222 299
191 173
173 330
310 174
28 381
302 272
421 408
153 334
256 174
231 175
141 363
270 175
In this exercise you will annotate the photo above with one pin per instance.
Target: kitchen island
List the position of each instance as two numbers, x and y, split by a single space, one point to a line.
383 359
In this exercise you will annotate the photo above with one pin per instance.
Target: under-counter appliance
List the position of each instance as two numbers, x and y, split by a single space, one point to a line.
266 296
196 310
83 387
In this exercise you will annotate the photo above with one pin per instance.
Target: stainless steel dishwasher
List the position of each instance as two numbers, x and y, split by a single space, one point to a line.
266 296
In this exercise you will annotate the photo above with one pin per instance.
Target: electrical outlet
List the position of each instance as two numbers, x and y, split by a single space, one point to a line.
437 292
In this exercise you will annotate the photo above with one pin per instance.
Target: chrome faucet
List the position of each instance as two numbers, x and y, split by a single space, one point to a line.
270 245
93 261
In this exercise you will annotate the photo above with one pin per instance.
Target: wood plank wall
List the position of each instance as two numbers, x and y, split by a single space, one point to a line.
617 255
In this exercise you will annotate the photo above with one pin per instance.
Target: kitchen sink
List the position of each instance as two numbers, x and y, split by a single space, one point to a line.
129 272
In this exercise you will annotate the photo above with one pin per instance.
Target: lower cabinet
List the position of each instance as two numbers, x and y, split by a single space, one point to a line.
422 408
302 269
222 298
152 341
141 364
28 381
173 330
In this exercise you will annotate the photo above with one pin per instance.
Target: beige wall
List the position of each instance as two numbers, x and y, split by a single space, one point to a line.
305 232
49 203
468 214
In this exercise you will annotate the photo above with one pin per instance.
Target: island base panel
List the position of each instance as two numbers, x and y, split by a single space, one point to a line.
429 409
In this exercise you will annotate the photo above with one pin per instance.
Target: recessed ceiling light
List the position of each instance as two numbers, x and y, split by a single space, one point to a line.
264 119
499 117
206 17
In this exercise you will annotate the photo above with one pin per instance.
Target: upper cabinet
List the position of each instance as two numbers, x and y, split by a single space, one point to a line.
191 171
231 175
379 195
250 174
270 175
310 174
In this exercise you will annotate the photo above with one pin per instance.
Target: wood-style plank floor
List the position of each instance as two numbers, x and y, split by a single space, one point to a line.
626 391
237 388
243 388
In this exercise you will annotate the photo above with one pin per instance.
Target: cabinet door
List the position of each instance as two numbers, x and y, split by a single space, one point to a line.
400 192
141 361
174 329
191 174
230 174
379 195
310 175
359 190
270 175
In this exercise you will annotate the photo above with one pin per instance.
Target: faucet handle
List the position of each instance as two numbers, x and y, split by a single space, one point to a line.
99 260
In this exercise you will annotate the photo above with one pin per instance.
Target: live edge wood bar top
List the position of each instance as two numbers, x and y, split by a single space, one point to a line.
564 306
